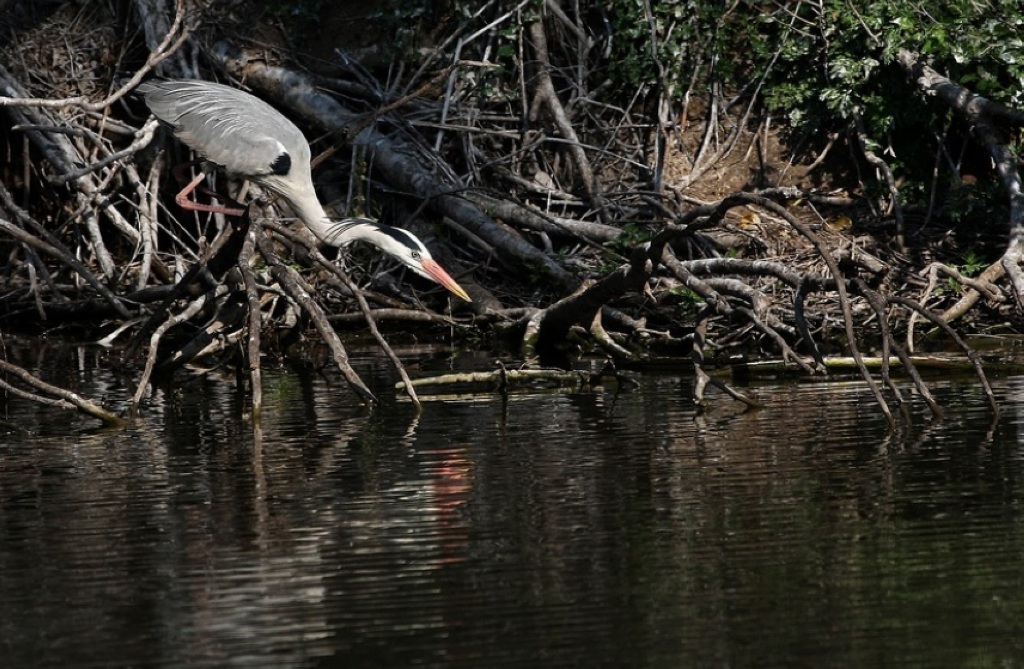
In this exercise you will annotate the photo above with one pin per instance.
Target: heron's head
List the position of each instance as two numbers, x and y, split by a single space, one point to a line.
407 248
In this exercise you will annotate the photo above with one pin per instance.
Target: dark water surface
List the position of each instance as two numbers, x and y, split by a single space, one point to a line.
545 530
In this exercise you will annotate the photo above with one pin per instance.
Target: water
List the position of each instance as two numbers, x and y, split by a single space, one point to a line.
549 529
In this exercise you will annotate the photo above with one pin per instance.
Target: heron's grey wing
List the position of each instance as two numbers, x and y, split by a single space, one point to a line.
229 127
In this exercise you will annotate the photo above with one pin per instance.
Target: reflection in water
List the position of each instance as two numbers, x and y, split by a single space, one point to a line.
581 529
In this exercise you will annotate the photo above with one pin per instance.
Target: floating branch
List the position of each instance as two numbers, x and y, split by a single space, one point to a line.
503 378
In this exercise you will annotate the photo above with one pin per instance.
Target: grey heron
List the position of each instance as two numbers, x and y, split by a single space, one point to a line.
250 139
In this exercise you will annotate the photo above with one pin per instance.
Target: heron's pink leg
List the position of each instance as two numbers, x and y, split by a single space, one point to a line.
182 198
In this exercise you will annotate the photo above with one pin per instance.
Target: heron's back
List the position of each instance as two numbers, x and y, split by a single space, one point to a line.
229 127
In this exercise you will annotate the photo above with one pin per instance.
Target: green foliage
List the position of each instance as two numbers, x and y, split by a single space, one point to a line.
632 235
824 64
973 263
687 297
834 60
689 35
829 59
818 64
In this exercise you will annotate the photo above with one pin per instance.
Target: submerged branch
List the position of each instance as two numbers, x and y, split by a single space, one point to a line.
54 396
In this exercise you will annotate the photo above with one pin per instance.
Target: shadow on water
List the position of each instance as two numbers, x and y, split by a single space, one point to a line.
546 529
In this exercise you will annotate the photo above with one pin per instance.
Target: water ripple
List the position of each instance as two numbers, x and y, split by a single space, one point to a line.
551 529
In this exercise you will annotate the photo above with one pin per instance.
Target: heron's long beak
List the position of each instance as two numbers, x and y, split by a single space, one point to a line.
437 273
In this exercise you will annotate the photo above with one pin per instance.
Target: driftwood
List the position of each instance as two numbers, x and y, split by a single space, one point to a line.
933 362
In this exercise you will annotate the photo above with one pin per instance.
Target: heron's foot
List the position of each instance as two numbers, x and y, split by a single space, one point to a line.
188 204
182 200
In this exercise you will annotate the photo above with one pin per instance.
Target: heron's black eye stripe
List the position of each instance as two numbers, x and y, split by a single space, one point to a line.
401 236
281 165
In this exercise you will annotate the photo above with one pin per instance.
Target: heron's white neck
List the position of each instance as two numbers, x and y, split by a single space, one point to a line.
311 212
335 232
